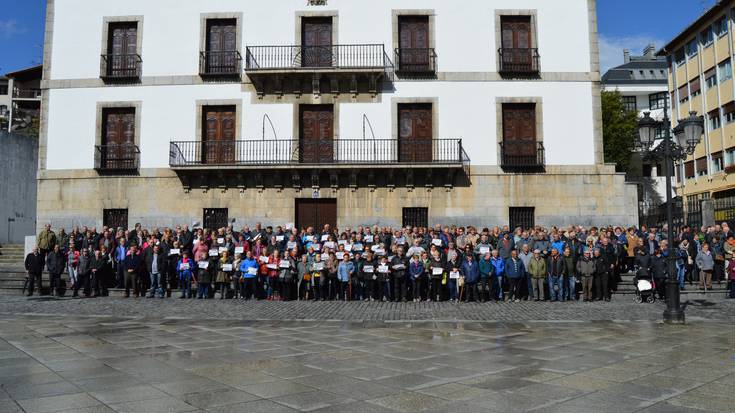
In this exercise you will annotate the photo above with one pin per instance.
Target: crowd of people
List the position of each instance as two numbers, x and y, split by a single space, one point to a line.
441 263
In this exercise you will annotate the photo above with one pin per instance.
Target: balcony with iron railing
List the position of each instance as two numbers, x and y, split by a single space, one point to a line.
344 57
415 61
29 93
121 67
519 62
222 64
323 153
119 159
522 156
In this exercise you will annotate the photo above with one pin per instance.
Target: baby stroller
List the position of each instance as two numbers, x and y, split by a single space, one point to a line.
645 289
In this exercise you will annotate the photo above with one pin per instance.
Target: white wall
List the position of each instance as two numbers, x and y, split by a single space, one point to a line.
465 41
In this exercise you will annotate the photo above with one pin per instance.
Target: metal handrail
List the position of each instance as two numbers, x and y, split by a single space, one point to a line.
345 56
121 66
117 157
220 63
522 155
318 152
416 60
519 60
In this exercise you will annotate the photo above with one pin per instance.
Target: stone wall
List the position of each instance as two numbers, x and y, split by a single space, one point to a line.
19 160
563 195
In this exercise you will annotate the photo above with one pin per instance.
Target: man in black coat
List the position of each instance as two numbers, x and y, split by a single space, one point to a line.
34 266
399 266
131 267
55 263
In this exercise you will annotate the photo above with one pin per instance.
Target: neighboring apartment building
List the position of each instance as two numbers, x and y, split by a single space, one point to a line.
345 112
642 83
21 103
700 80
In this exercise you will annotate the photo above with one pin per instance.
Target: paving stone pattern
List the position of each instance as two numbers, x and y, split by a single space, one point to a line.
620 308
150 364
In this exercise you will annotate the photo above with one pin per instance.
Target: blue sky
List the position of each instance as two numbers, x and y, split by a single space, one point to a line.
623 24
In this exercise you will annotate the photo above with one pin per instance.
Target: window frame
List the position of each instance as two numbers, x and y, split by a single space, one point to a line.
657 100
720 27
688 45
707 37
714 120
626 102
725 63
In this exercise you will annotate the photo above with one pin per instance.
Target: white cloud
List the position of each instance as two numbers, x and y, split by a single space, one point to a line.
611 48
9 28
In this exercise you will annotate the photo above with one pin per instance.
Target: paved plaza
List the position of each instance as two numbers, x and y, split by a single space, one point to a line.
152 355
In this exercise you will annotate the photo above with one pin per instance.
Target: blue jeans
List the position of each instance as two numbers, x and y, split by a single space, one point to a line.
156 287
497 287
203 291
185 287
681 271
452 284
571 292
556 288
529 283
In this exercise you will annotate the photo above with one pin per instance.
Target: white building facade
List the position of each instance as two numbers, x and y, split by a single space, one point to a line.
384 112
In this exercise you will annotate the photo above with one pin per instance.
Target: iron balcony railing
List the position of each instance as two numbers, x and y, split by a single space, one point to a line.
522 155
412 60
344 56
227 63
117 158
317 152
519 61
121 66
27 93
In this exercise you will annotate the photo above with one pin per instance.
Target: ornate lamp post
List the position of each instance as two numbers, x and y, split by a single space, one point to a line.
687 135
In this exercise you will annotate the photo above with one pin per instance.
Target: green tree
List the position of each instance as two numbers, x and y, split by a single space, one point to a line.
618 131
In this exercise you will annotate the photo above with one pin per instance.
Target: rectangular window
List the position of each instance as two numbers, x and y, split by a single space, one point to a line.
724 71
717 162
721 26
695 88
657 100
519 146
122 59
3 89
219 134
714 119
710 78
118 151
701 164
689 170
416 217
630 103
680 57
215 218
220 56
730 157
524 217
706 37
728 112
691 48
414 52
115 218
683 94
673 101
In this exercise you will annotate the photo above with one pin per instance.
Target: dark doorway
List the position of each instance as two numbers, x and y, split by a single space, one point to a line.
122 49
215 218
519 134
516 42
221 46
416 217
218 134
415 132
414 52
316 133
316 213
524 217
115 218
316 42
118 139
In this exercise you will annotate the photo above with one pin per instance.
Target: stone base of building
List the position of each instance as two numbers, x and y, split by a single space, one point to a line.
563 195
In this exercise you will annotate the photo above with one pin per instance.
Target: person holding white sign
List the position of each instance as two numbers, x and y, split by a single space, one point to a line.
384 277
399 266
345 271
186 275
249 270
224 272
437 268
368 277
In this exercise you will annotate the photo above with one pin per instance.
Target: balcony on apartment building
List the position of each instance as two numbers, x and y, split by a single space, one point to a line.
117 159
26 93
120 67
520 156
297 163
317 69
220 65
521 62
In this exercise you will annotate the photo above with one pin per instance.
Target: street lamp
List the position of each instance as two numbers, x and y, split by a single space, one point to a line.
687 134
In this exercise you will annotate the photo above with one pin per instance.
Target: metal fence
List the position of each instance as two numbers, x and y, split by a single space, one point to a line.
345 56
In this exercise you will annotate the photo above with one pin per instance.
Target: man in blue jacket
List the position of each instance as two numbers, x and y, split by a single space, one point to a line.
497 287
515 271
471 272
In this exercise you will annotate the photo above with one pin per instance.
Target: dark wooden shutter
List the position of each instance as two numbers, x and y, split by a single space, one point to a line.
219 132
122 49
702 165
316 42
683 92
416 217
414 52
689 169
215 218
519 134
316 213
694 86
118 139
115 218
221 46
415 132
316 129
516 42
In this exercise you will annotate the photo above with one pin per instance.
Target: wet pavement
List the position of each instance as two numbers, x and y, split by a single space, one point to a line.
71 360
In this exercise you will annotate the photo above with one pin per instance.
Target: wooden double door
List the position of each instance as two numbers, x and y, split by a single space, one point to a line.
517 42
415 135
219 134
122 49
316 213
316 134
221 55
118 150
414 54
316 42
519 134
